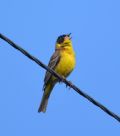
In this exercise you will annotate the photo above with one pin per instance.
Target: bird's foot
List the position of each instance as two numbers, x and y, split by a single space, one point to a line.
70 84
62 80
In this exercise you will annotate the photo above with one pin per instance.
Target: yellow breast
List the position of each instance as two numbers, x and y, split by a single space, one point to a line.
66 63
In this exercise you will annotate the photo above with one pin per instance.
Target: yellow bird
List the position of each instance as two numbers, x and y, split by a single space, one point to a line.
63 62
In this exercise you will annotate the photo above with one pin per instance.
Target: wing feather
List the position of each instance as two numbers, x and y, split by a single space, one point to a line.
52 64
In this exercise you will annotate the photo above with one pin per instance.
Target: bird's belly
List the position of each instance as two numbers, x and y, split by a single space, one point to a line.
66 64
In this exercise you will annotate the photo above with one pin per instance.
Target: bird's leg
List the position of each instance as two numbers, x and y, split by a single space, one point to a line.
62 80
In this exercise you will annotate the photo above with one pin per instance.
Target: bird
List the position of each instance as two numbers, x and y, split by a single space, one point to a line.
62 62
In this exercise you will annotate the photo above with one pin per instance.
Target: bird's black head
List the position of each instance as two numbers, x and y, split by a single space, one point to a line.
60 39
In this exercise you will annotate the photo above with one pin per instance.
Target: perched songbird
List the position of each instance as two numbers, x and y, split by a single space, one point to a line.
63 62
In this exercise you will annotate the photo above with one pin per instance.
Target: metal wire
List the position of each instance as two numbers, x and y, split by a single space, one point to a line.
89 98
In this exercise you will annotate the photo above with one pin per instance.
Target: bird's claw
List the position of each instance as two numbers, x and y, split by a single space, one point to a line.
70 83
62 79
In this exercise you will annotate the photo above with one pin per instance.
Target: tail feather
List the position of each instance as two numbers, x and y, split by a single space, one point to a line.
44 102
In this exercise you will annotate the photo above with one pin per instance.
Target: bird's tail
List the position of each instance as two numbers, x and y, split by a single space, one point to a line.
45 97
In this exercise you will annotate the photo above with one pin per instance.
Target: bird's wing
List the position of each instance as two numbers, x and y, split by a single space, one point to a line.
52 64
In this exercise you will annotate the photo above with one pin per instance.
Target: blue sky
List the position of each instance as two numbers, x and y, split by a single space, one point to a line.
35 25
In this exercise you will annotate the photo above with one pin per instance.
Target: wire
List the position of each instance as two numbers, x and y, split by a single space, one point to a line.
89 98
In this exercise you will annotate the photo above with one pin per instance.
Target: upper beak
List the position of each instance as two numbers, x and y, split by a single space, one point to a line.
69 35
